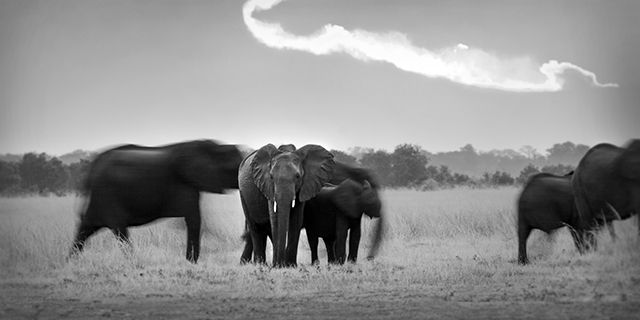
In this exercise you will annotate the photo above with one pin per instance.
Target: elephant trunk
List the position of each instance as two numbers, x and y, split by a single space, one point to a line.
280 226
377 238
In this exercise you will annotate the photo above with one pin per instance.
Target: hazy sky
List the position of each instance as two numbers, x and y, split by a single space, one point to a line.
86 74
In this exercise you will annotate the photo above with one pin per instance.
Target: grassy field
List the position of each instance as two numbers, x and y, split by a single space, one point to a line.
453 248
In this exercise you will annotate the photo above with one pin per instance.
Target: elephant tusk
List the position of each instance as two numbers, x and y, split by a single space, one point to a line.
275 206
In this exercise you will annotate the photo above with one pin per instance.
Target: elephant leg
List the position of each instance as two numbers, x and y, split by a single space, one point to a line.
523 234
259 244
295 225
313 246
122 234
342 227
354 241
193 222
248 248
83 233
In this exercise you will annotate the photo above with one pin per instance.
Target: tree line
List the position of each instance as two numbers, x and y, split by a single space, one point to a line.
411 166
408 166
41 174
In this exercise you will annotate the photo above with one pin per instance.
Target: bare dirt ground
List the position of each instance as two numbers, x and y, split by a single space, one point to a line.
20 301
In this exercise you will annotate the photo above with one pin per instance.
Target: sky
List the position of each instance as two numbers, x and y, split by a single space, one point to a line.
89 74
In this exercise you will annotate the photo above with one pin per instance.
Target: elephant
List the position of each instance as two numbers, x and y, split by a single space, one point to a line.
344 171
133 185
606 186
274 185
335 211
546 203
341 173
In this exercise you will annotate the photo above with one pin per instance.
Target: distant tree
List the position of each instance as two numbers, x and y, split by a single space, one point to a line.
530 152
8 157
558 169
33 169
42 175
527 172
408 165
76 156
432 171
444 175
77 174
502 179
357 152
461 179
486 178
341 156
9 176
56 177
380 163
566 153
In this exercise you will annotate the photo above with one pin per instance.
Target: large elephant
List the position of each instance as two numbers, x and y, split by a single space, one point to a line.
133 185
274 185
546 203
606 186
336 211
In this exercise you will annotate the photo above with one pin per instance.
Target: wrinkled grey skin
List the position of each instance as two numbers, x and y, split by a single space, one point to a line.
274 185
133 185
546 203
336 211
606 186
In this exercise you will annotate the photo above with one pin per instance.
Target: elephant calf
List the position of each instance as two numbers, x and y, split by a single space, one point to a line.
336 211
546 203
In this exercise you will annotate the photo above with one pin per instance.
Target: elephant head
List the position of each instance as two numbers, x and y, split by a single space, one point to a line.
606 186
287 178
207 166
353 199
628 165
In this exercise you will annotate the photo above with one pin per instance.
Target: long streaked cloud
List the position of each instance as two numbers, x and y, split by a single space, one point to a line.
460 63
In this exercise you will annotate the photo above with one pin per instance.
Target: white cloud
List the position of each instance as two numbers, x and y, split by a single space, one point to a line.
460 63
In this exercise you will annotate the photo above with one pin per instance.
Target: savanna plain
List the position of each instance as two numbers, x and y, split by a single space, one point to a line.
447 254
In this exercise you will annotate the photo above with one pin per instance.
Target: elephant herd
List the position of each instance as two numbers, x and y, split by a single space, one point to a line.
605 186
134 185
285 189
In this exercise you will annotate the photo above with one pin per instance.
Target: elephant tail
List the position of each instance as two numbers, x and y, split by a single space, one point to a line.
377 238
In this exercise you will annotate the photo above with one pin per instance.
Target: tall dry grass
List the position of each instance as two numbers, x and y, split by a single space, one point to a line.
443 242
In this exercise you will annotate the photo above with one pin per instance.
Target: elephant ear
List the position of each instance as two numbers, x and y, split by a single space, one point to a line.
345 197
261 170
317 164
629 164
